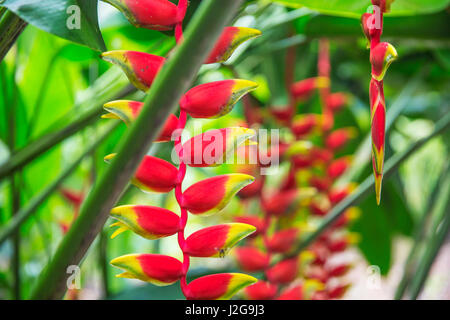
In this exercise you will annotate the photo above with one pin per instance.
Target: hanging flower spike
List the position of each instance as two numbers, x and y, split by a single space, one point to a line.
212 147
153 174
251 259
216 241
262 290
339 166
282 241
231 38
211 195
284 271
151 14
302 90
158 269
381 58
215 99
221 286
140 68
338 138
147 221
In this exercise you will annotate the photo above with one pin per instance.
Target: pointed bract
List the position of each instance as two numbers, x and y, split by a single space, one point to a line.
251 259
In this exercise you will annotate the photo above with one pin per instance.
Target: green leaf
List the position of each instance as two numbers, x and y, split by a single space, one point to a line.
354 8
74 20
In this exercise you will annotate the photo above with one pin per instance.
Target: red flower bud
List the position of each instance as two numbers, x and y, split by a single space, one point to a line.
141 68
336 101
216 241
282 114
283 241
282 203
261 290
302 90
221 286
215 99
151 14
146 221
155 268
231 38
304 125
381 58
213 194
153 174
337 195
320 183
284 271
338 138
338 167
251 259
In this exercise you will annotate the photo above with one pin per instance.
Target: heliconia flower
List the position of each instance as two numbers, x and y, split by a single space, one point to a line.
339 270
338 291
221 286
370 28
304 125
282 202
321 253
255 221
153 174
321 183
151 14
141 68
284 271
146 221
158 269
282 114
302 161
336 195
231 38
213 147
213 194
303 89
128 111
262 290
251 259
252 190
215 99
216 241
74 197
338 167
321 155
340 137
381 58
319 206
282 241
292 293
378 119
336 101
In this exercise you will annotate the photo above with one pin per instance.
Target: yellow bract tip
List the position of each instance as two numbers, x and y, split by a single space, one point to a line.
109 116
109 157
378 184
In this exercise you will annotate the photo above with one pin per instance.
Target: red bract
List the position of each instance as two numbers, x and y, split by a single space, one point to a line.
336 101
217 286
338 291
338 138
261 290
283 241
292 293
257 222
284 271
304 125
339 270
338 167
320 183
213 194
215 99
216 241
281 203
381 58
303 89
231 38
155 268
251 259
146 221
150 14
141 68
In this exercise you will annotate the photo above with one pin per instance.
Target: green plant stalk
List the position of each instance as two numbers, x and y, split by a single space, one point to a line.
171 82
11 26
25 212
366 186
419 232
437 236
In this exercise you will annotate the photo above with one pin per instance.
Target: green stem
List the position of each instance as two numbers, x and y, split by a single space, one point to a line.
438 234
31 207
171 82
366 186
11 26
418 236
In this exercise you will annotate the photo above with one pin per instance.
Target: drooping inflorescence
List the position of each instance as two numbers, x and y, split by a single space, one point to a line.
209 196
382 54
